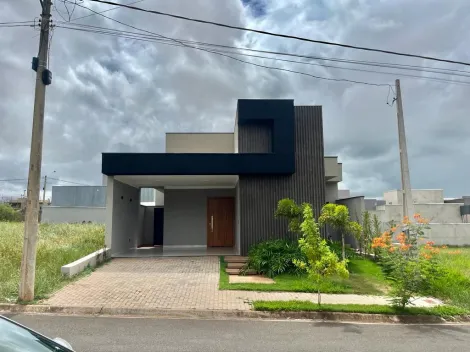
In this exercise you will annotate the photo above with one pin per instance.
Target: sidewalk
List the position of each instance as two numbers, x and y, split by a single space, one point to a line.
180 284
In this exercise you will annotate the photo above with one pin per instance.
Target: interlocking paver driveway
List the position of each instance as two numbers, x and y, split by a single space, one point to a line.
173 283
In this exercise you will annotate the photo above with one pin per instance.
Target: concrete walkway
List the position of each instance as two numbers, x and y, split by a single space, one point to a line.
178 283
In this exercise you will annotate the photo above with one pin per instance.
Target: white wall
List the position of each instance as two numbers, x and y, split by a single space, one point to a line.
331 192
436 213
159 198
200 143
51 214
420 196
123 216
449 234
185 215
140 227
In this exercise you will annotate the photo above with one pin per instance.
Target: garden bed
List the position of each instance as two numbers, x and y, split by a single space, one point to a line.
58 245
365 278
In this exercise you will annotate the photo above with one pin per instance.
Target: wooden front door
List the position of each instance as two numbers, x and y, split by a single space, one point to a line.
220 222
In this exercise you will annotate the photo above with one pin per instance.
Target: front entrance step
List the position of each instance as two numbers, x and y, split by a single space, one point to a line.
237 271
235 259
235 265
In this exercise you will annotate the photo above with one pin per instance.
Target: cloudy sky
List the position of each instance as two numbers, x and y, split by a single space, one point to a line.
122 95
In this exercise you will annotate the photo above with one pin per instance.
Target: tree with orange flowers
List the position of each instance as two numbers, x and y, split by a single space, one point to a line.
408 266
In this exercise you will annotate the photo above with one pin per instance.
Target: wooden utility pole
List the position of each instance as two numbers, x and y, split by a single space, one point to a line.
405 171
28 262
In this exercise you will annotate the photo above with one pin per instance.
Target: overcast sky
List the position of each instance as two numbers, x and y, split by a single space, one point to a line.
121 95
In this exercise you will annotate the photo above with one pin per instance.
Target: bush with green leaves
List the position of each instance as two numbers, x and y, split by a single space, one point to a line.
275 257
320 262
7 213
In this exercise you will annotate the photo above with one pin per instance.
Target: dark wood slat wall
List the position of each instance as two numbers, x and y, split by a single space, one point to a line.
259 194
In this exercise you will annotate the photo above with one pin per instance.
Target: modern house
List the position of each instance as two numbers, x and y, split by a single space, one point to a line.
221 189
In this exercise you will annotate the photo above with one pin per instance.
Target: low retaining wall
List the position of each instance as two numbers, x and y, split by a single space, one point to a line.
81 264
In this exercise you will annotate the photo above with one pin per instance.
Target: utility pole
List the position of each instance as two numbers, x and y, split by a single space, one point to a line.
28 262
405 171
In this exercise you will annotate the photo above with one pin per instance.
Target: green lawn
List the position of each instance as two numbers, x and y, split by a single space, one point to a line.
306 306
365 278
58 244
454 287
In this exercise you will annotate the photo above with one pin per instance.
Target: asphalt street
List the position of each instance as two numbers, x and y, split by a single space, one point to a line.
100 334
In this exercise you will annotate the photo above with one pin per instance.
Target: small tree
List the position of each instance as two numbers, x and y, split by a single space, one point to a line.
320 262
290 210
366 232
337 216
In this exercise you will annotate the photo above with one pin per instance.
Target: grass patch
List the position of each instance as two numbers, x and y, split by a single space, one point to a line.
365 277
58 244
307 306
454 285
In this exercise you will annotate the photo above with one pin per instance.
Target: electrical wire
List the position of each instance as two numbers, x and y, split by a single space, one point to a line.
156 40
71 182
390 52
443 71
111 9
14 179
243 61
16 22
16 25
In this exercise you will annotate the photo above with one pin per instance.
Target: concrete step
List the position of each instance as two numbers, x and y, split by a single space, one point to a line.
235 265
237 272
235 259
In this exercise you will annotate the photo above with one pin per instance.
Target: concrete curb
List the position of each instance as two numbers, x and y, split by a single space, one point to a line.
230 314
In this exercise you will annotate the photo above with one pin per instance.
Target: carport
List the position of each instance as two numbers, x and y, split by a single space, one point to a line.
196 216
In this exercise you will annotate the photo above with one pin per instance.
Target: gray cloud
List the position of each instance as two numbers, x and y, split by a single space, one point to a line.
115 94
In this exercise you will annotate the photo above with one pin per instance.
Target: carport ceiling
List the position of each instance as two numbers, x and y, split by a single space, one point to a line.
179 181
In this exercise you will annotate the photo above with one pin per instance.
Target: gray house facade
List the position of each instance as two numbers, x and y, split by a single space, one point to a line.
221 189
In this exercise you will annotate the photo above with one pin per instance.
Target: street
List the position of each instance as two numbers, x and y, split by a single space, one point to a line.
100 334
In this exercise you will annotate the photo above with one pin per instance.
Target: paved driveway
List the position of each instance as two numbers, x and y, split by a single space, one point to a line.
175 283
179 283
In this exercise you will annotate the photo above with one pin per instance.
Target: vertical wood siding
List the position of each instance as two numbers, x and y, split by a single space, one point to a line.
259 194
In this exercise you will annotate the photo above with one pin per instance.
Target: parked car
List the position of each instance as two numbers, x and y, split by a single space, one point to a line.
15 337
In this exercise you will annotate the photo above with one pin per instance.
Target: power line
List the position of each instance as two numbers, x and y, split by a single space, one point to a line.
14 179
111 9
243 61
71 182
17 22
442 71
283 35
136 36
16 25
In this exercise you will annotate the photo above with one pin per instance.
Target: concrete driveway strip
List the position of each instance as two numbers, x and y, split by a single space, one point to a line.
104 334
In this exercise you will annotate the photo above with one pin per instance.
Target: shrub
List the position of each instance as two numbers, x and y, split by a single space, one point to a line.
7 213
275 257
410 269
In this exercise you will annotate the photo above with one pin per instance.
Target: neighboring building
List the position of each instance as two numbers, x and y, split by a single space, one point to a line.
221 189
449 219
84 204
